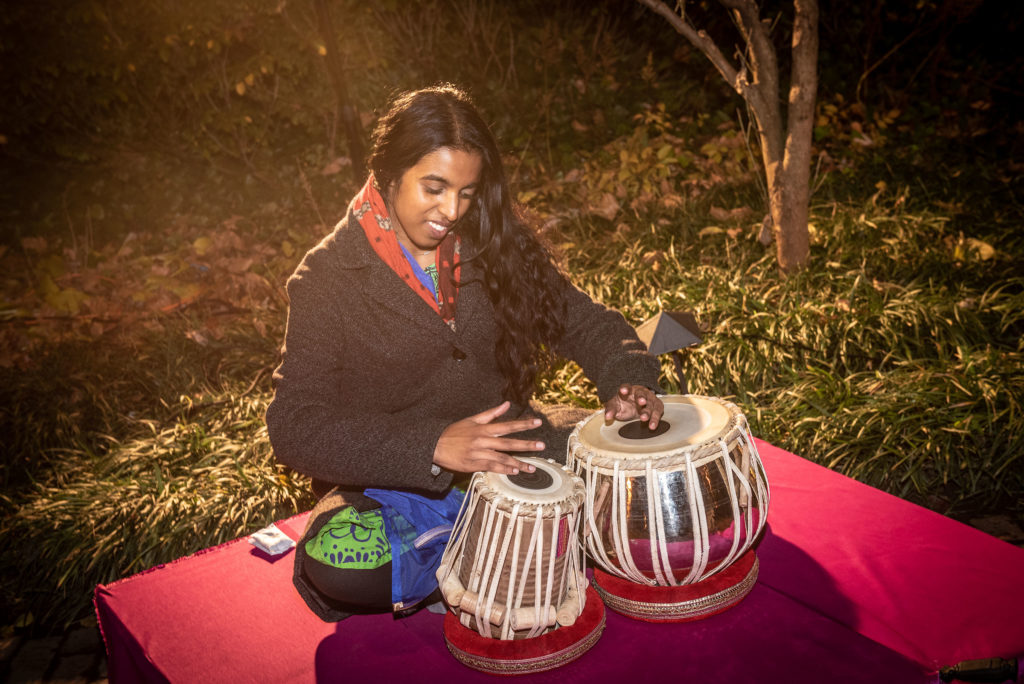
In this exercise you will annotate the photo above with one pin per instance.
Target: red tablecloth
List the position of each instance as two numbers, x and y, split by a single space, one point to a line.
855 586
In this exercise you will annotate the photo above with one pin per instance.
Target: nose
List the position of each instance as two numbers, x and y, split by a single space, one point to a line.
450 206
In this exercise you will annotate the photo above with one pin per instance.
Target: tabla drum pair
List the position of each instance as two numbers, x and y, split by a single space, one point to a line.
672 514
669 517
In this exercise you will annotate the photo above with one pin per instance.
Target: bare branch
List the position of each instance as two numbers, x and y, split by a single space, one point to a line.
762 53
701 41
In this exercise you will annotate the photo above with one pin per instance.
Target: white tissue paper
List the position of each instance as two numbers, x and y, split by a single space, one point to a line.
271 540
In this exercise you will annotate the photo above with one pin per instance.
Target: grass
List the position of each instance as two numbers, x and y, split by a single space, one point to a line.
156 482
895 358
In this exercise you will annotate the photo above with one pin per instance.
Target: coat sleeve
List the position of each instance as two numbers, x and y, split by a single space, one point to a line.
330 431
604 345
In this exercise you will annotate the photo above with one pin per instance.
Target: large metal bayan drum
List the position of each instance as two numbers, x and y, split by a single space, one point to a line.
671 514
512 574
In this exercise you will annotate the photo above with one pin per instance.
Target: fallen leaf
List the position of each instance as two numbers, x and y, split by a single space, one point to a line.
968 304
225 240
237 264
202 245
672 201
197 337
985 250
607 207
68 300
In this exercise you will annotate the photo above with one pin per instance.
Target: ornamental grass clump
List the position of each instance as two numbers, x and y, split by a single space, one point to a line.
131 456
168 491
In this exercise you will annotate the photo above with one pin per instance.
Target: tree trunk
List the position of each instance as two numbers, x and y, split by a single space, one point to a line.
336 73
791 231
785 147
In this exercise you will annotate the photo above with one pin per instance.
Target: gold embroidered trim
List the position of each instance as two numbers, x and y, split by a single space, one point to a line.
694 608
530 665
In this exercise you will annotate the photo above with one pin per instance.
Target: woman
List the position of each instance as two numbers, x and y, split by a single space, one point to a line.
415 333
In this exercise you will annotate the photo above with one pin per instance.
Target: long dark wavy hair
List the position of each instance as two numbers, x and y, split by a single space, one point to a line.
519 275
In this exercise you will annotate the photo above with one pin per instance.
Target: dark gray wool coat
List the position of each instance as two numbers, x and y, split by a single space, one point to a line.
371 375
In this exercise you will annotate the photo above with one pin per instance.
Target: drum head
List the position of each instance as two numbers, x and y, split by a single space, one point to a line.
690 421
549 484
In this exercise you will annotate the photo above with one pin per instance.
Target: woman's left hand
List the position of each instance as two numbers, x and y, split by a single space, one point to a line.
632 401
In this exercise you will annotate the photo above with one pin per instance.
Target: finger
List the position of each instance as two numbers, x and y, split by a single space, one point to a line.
523 466
614 408
490 414
496 462
657 411
623 410
503 444
498 429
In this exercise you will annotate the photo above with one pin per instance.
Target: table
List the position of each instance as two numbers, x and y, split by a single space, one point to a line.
855 585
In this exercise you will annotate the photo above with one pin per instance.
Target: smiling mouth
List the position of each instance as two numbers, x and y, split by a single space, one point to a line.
439 229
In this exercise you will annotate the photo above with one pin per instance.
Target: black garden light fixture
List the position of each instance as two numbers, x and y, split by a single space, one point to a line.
671 331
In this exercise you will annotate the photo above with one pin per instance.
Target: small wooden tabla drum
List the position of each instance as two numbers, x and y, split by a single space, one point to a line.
512 574
672 513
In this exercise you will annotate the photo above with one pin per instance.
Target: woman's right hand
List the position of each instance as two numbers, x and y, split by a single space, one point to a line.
476 443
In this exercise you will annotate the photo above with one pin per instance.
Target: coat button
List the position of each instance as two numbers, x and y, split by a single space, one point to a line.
458 354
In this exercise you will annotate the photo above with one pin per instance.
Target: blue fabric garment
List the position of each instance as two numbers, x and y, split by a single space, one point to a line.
421 275
418 529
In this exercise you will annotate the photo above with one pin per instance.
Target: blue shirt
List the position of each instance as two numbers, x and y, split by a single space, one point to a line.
421 275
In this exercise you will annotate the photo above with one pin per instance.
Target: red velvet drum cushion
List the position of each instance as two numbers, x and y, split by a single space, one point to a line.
524 656
717 593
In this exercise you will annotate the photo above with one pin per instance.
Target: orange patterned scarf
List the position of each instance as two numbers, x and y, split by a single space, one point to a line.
372 213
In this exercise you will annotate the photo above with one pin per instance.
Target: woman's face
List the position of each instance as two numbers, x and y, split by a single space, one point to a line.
432 195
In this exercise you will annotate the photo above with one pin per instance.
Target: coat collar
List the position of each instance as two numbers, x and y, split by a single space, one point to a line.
383 285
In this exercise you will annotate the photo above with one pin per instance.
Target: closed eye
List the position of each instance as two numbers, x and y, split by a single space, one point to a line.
464 195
